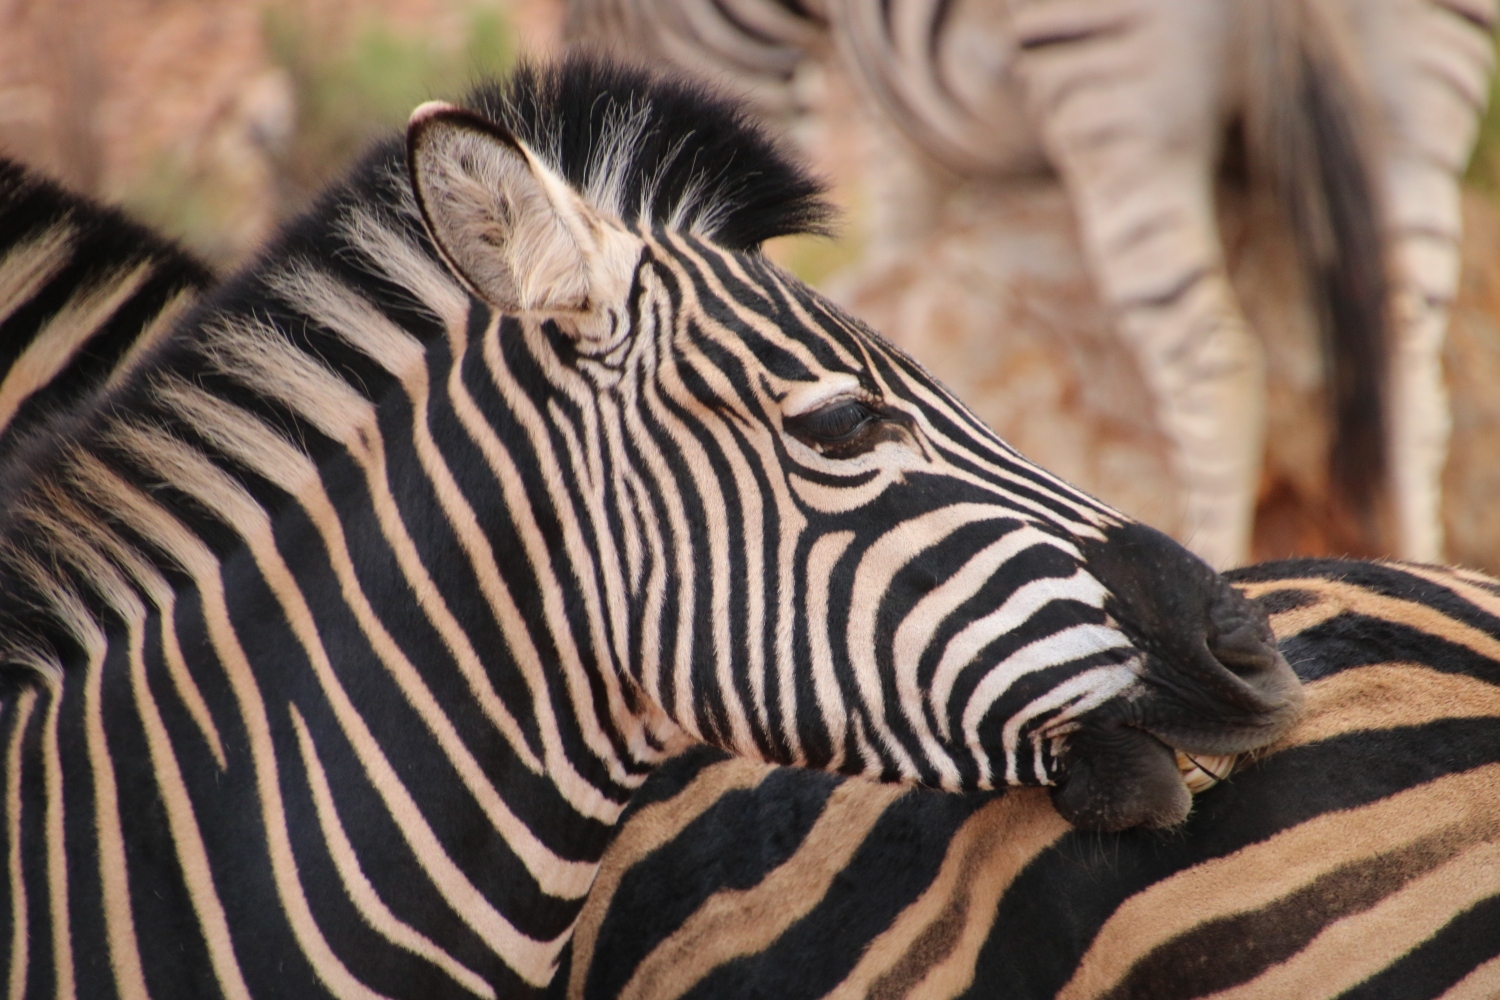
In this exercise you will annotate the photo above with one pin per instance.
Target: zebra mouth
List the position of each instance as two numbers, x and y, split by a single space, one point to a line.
1217 683
1138 760
1200 772
1212 684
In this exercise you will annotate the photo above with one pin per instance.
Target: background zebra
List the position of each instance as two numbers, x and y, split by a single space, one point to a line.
1358 857
341 626
84 293
1348 112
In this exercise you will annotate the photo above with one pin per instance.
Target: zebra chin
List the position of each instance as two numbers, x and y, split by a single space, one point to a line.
1211 680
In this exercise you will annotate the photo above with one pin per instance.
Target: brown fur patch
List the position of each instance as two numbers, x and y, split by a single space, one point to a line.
930 949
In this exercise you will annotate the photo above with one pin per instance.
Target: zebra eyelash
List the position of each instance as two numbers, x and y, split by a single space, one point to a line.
848 426
835 426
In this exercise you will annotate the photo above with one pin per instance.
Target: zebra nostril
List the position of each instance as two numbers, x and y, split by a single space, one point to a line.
1217 682
1247 650
1239 636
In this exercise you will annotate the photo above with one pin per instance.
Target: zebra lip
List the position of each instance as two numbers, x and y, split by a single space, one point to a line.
1116 776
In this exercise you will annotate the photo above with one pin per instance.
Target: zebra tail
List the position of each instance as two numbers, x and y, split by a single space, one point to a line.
1310 134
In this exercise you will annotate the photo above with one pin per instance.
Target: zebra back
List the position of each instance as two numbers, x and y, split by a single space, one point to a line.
1357 857
755 46
84 294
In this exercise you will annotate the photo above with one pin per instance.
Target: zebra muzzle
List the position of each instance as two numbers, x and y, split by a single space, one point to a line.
1216 682
1212 684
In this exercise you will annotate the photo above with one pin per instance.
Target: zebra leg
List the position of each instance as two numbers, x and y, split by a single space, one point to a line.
1126 95
1420 417
1430 62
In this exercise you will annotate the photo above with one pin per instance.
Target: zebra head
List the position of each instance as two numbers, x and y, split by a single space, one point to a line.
807 550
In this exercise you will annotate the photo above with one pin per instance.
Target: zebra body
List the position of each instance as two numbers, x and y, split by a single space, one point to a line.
337 632
1352 112
84 293
1358 857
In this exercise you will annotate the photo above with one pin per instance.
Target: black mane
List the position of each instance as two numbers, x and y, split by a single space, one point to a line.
661 150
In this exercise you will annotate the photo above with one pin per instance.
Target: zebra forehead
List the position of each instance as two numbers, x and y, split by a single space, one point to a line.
656 150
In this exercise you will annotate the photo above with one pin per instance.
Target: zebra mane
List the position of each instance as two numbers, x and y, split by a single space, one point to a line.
283 357
657 150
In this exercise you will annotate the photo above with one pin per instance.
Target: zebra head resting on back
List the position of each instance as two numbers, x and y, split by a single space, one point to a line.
1357 857
338 632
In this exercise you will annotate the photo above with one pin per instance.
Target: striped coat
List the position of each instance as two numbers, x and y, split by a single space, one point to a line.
336 632
84 293
1358 857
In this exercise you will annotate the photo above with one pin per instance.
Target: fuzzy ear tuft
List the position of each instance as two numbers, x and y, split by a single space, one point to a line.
512 229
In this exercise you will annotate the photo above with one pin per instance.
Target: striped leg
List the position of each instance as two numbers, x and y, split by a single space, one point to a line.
1430 62
1126 94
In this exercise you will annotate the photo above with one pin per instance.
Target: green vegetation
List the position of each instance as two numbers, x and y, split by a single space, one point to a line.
1484 166
346 94
349 90
202 208
348 82
815 259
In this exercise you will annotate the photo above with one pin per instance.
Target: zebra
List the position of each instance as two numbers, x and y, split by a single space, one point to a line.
1358 117
340 628
1357 857
84 293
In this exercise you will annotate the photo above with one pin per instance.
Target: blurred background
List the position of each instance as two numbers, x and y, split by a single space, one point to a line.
214 119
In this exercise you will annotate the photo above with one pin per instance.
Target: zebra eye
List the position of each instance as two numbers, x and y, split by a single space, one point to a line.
840 429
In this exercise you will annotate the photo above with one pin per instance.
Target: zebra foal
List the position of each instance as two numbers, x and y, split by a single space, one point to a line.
338 631
1358 857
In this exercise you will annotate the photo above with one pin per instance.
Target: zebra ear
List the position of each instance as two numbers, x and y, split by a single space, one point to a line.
512 229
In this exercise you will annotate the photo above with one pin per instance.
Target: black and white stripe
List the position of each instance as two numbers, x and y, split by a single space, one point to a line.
1357 116
337 632
754 46
1358 857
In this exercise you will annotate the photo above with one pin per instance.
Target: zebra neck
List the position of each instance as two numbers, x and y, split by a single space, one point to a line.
334 609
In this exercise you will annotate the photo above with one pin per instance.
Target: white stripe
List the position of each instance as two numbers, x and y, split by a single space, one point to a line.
1023 603
194 557
1086 691
252 442
361 893
63 336
1061 647
821 559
